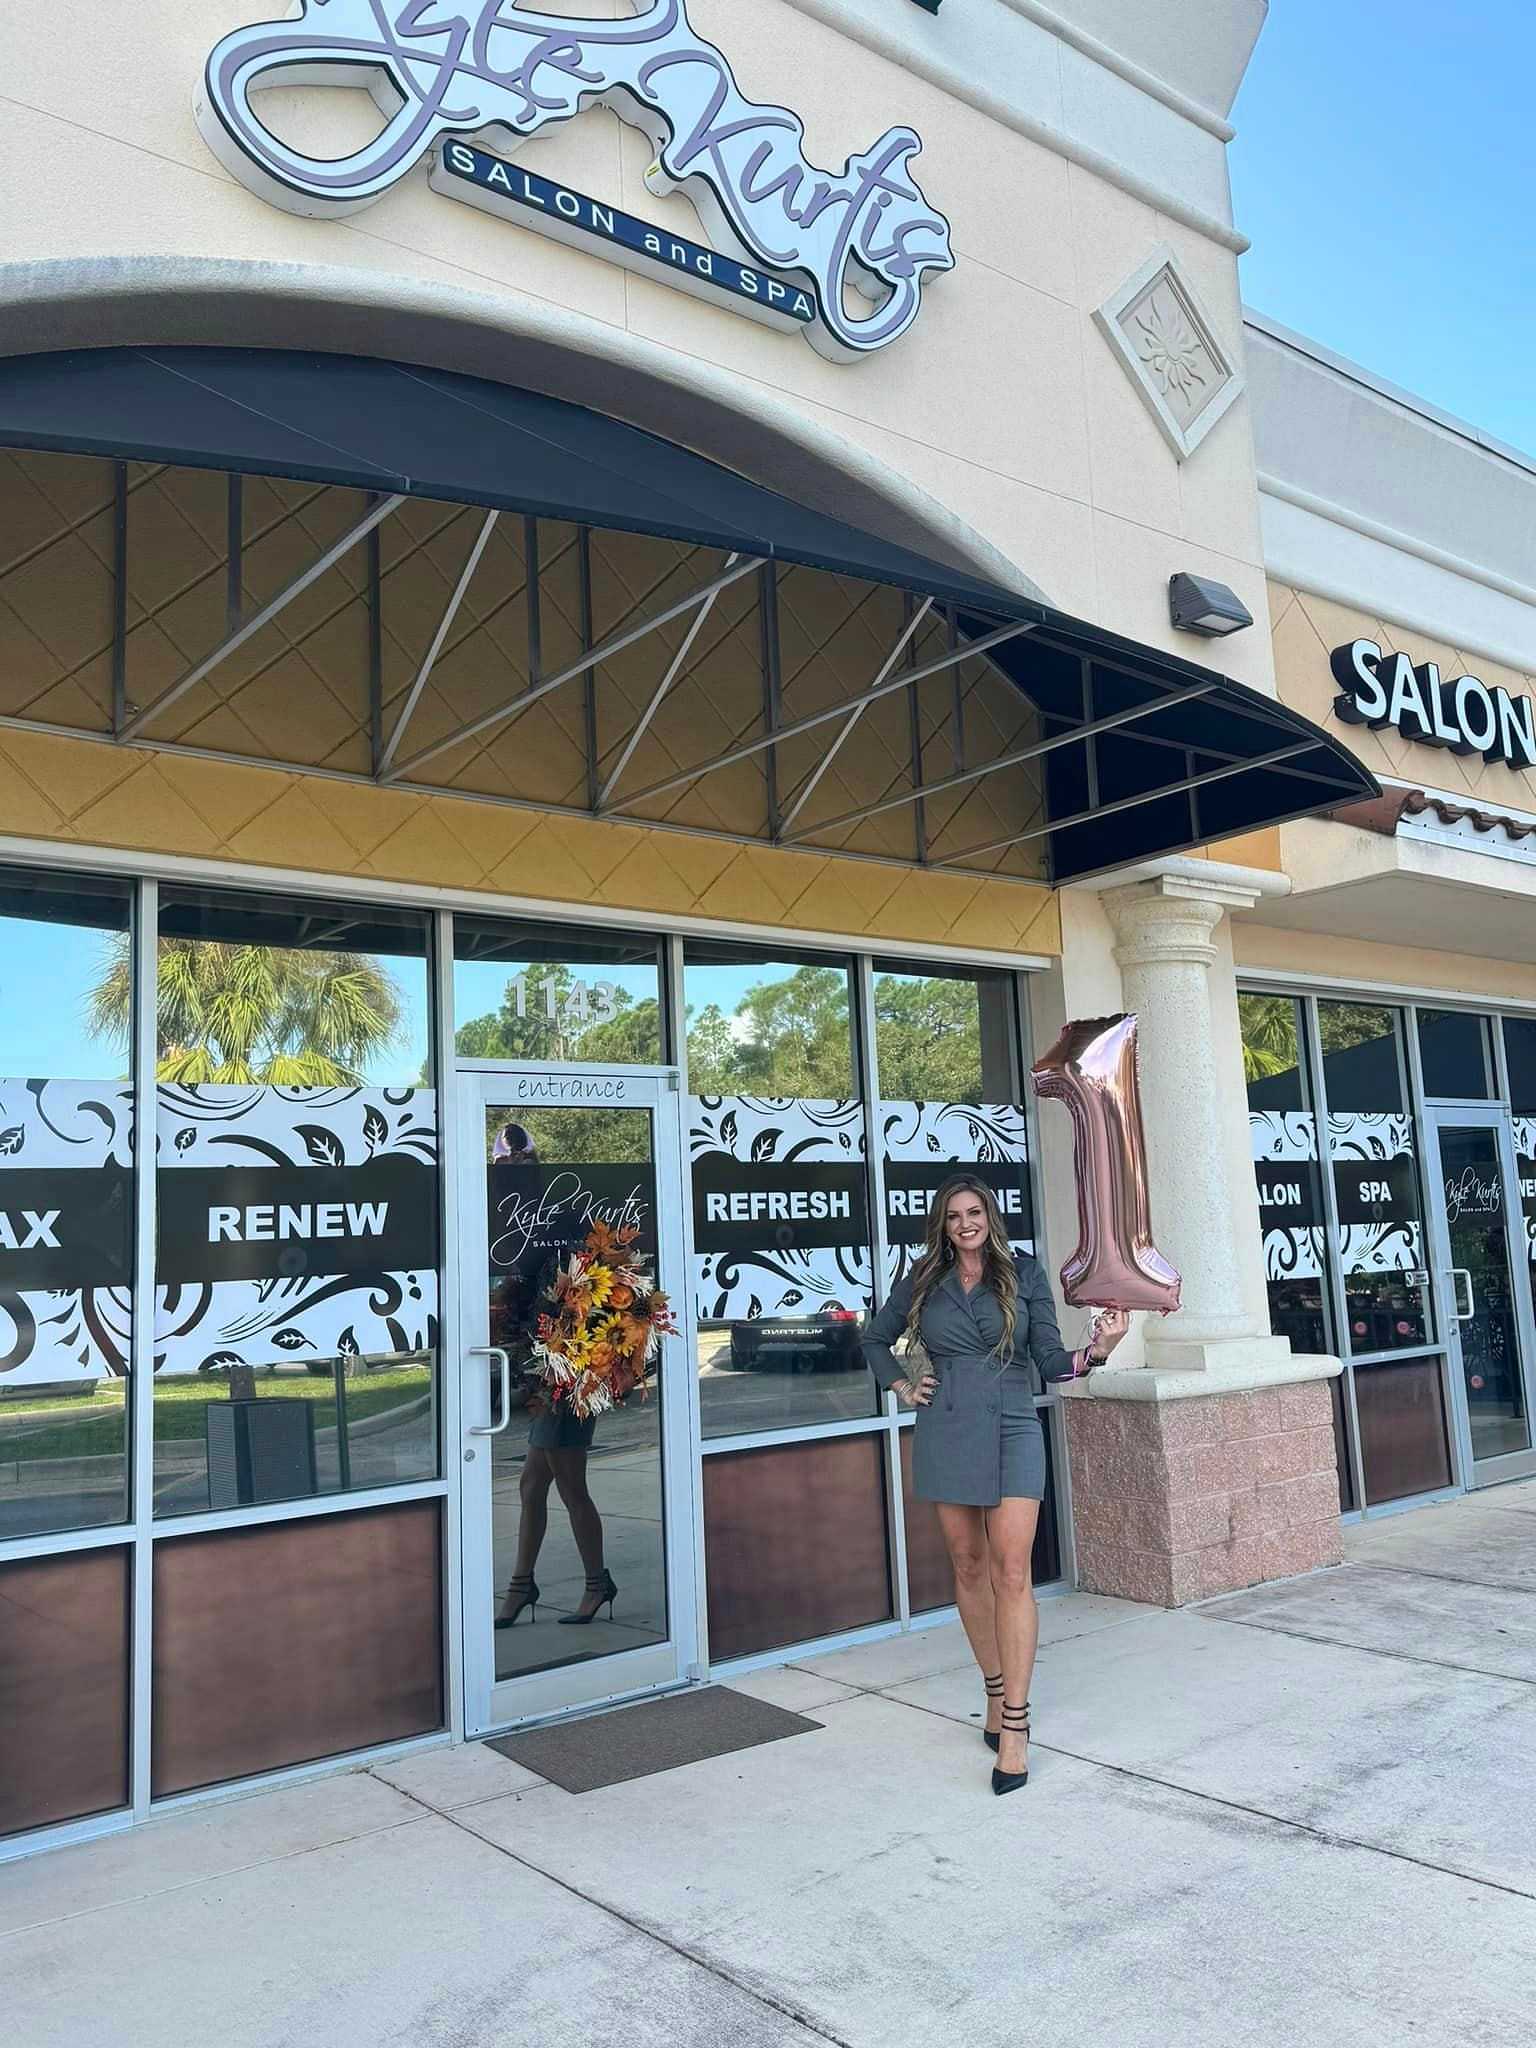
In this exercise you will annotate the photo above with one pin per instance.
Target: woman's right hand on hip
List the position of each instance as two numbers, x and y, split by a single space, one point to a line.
917 1396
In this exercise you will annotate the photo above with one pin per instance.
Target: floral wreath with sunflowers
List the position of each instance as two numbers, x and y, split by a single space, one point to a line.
598 1325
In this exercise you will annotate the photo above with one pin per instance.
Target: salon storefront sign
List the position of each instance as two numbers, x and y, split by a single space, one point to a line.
1461 713
786 241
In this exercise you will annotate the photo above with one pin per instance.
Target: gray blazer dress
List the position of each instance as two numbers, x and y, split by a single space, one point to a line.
979 1439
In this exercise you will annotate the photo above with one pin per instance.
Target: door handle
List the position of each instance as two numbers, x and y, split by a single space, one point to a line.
1458 1274
504 1381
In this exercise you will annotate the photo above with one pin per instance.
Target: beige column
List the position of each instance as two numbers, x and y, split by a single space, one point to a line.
1193 1098
1211 1467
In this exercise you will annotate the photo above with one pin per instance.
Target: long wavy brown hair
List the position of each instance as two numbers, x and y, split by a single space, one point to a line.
998 1270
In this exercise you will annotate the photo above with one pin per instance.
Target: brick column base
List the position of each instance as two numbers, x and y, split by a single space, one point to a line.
1178 1499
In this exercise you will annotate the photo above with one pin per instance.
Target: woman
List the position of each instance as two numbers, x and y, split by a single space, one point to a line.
987 1321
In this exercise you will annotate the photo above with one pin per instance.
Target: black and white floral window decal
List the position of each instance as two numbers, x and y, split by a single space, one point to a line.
925 1144
66 1230
295 1224
1286 1174
1525 1161
1375 1180
780 1208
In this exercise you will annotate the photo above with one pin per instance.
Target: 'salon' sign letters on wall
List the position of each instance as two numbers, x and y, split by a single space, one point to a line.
789 240
1462 714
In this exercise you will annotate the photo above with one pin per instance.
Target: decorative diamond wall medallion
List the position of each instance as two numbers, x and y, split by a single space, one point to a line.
1167 344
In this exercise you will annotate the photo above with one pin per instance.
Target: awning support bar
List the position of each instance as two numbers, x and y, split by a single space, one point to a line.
816 718
119 592
614 644
808 787
444 627
1127 803
675 668
132 727
1015 760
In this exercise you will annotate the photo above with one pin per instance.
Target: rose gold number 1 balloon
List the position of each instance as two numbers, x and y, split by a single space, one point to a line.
1092 1069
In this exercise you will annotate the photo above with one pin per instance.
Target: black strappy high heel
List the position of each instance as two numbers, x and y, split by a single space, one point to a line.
598 1591
995 1692
1015 1722
524 1593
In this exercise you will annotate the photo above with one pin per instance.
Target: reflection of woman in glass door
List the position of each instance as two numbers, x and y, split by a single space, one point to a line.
558 1446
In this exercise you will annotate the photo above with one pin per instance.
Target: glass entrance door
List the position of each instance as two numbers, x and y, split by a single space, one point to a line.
578 1527
1483 1278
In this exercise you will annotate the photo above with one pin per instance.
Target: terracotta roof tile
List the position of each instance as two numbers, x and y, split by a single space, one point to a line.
1385 813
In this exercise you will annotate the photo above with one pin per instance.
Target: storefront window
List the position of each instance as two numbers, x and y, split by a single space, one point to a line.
1454 1054
66 1203
1372 1156
296 1301
550 993
1520 1067
1283 1127
782 1258
947 1044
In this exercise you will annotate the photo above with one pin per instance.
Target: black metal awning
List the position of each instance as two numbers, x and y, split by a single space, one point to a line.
1139 753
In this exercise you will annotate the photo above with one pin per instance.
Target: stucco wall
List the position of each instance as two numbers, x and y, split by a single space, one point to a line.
1004 403
1307 629
76 792
1359 963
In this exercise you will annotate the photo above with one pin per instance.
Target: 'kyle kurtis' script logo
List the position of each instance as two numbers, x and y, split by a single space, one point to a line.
1470 1193
438 71
556 1214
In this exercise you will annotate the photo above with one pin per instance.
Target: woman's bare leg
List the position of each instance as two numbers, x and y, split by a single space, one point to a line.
586 1523
965 1538
533 1492
1011 1544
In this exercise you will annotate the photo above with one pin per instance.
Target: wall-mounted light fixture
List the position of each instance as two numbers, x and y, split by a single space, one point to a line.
1198 604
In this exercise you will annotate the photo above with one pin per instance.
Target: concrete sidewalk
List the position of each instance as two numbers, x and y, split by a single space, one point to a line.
1305 1814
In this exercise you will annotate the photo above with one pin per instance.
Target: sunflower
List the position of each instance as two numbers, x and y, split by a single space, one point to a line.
599 1283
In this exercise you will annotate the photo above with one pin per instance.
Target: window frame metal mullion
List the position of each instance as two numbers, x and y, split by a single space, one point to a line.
1453 1389
867 1079
450 1376
1333 1244
143 985
674 1052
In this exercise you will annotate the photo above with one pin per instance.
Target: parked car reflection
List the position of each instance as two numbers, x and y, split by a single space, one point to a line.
825 1342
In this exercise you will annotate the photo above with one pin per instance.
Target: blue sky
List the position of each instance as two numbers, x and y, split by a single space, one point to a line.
46 972
1385 168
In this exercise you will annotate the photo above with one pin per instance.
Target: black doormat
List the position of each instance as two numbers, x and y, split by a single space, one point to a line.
657 1735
